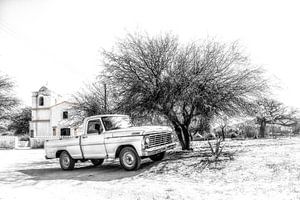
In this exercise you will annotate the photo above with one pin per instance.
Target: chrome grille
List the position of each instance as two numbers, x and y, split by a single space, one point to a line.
160 139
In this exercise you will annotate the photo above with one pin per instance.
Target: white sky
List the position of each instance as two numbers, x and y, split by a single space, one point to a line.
58 42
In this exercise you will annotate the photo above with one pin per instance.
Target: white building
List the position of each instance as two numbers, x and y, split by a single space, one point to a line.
50 115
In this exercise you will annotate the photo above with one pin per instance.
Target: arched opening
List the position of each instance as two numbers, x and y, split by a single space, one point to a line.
41 101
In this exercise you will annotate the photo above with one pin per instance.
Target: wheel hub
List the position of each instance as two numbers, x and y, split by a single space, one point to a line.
66 161
129 159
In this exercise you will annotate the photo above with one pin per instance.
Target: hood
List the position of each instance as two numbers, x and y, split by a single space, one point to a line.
140 130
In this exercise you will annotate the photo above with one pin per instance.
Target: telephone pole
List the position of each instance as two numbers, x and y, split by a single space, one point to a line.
105 99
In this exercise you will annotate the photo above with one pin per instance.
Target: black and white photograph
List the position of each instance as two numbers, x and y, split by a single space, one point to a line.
149 100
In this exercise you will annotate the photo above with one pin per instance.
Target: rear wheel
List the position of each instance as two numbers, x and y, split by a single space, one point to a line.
158 157
97 162
129 159
66 161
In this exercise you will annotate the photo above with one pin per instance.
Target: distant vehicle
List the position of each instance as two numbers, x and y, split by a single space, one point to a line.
112 136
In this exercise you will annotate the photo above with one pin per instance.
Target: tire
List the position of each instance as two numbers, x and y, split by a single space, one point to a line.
66 161
97 162
158 157
129 159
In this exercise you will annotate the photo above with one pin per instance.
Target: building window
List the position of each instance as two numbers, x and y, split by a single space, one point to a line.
41 101
65 115
65 131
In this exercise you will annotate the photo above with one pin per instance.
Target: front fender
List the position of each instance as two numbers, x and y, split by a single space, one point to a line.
112 144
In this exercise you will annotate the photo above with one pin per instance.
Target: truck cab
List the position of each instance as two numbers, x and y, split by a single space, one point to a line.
112 136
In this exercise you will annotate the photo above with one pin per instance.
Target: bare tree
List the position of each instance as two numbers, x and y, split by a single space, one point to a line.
7 99
200 125
221 122
92 100
160 75
270 111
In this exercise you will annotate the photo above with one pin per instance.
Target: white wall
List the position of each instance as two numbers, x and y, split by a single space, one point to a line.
41 128
57 113
41 114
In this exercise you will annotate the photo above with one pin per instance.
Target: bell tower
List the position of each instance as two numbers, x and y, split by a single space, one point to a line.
41 112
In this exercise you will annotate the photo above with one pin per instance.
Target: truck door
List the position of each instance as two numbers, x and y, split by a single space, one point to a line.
92 142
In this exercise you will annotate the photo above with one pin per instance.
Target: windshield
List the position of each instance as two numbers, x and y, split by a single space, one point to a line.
116 122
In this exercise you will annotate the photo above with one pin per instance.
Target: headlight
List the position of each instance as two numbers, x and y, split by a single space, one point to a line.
147 141
173 137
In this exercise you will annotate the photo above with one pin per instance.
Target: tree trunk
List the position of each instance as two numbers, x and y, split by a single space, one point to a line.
262 128
179 135
186 137
181 129
183 136
223 134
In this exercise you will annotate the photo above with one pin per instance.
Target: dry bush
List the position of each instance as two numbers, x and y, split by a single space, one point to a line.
216 149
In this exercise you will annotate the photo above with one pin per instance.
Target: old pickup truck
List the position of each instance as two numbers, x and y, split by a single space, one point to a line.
111 136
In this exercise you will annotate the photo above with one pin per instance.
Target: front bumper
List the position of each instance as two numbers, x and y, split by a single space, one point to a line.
159 149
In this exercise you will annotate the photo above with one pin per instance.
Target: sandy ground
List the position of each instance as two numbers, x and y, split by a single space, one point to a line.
252 169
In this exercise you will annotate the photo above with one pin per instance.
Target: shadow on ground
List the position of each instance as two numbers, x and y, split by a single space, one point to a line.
106 172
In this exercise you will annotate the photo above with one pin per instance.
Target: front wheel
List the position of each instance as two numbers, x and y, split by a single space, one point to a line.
129 159
66 161
158 157
97 162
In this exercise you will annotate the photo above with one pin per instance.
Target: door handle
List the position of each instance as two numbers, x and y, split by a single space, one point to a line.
84 136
